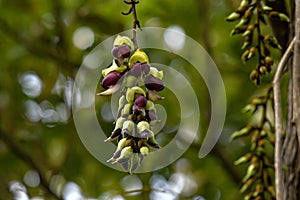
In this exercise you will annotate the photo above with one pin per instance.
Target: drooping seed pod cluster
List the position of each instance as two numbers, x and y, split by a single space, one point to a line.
251 15
138 82
257 182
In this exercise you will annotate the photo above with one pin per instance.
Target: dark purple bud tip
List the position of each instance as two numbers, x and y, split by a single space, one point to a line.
110 79
145 68
136 69
124 51
153 83
140 101
115 134
115 51
140 68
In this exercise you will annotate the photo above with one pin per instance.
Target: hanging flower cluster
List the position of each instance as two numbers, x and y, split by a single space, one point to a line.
138 82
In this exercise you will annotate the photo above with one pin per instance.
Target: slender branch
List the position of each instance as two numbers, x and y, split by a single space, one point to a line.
278 120
18 151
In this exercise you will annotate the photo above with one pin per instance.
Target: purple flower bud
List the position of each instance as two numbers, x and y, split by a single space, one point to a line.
110 79
153 96
123 51
140 68
145 134
151 115
114 135
136 69
115 51
140 101
153 83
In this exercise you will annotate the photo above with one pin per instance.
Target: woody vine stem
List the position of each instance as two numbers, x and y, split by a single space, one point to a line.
136 22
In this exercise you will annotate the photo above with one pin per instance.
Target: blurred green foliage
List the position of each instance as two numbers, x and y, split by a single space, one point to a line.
38 64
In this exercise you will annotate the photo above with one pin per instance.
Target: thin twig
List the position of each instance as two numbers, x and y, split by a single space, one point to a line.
278 120
18 151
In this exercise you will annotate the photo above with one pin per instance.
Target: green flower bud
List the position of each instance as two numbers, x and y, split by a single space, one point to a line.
267 8
244 56
241 27
255 136
110 90
121 144
269 61
243 132
271 40
250 172
129 126
248 196
246 33
233 17
251 52
156 73
126 109
250 108
123 40
259 188
144 151
263 133
243 159
284 18
126 153
244 3
142 126
279 16
150 106
238 30
138 56
253 75
122 101
245 45
113 67
247 185
119 123
263 70
130 93
152 142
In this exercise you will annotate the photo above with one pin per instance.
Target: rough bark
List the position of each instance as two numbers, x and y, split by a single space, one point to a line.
291 146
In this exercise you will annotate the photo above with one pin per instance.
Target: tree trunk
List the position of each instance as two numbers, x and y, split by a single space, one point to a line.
291 146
